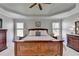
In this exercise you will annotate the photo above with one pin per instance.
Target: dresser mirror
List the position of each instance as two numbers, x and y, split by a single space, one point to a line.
77 27
0 23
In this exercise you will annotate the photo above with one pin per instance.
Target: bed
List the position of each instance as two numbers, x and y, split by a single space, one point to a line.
38 43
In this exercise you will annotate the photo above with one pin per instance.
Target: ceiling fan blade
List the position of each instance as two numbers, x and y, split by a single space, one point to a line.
47 3
40 7
32 5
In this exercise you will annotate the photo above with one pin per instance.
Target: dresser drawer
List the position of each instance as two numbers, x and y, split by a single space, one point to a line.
73 42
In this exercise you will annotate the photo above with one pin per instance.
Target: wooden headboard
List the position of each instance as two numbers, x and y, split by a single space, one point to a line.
38 29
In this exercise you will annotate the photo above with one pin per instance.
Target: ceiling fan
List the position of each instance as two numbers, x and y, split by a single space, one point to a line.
39 5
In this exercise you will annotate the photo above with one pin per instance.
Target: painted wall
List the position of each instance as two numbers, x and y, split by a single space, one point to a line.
8 24
30 23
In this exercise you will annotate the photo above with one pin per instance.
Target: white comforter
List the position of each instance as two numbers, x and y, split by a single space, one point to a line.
45 37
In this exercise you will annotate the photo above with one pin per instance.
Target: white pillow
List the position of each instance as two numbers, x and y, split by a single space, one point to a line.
32 33
44 32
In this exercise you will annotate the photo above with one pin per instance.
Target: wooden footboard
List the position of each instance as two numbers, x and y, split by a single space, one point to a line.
39 48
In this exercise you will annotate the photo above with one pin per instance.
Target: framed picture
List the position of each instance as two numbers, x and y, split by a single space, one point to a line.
0 23
38 24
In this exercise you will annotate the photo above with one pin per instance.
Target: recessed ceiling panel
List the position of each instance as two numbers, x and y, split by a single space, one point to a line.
47 9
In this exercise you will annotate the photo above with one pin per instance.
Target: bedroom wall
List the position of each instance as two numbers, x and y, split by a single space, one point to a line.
67 29
30 23
8 24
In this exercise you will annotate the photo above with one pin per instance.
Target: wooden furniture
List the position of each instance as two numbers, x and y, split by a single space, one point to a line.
73 41
38 48
3 44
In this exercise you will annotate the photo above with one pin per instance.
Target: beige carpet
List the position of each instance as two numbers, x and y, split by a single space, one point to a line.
10 51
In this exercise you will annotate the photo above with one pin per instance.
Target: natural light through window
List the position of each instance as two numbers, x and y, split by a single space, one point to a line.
55 27
19 25
19 31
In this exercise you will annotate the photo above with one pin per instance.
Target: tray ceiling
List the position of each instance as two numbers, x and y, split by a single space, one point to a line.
48 9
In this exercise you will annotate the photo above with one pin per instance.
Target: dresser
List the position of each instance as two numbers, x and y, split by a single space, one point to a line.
73 41
3 43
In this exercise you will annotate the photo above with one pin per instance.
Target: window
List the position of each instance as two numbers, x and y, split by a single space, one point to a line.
55 28
19 29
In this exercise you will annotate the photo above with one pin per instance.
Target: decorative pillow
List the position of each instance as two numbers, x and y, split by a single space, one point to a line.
38 33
